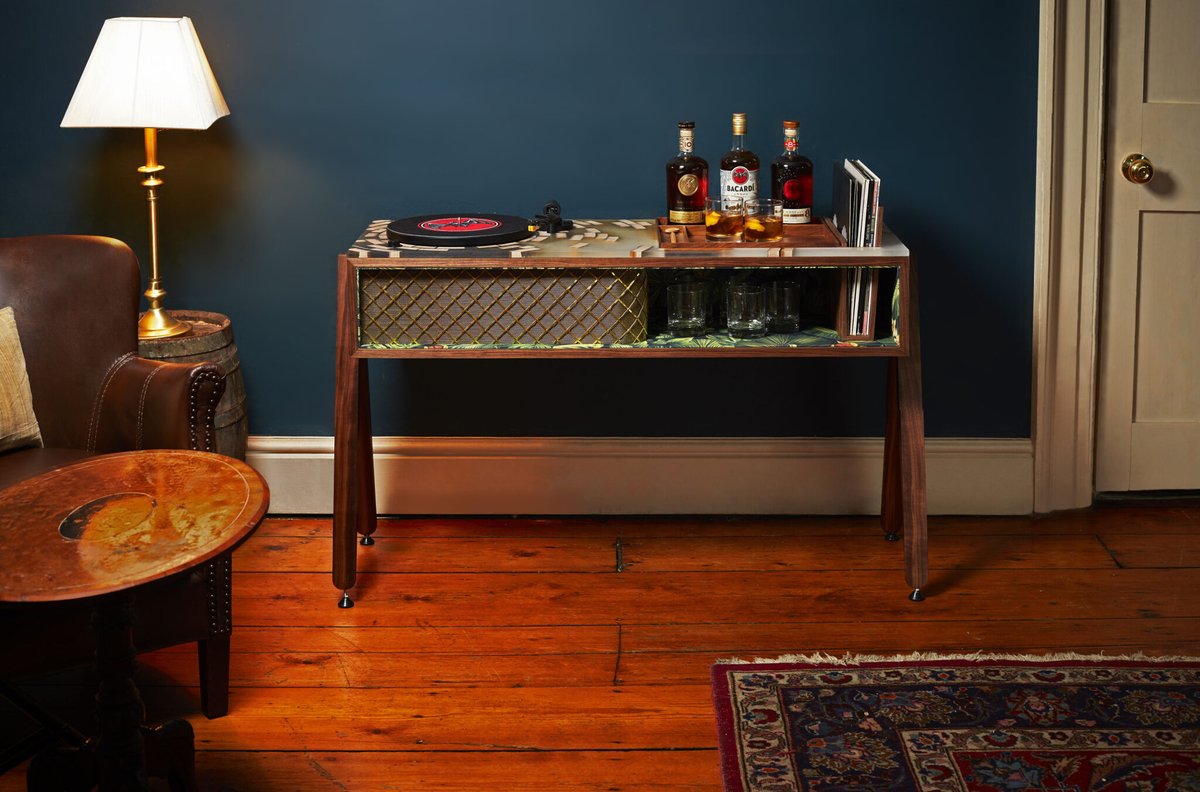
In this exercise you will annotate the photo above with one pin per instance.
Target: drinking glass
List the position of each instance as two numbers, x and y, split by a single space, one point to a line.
783 306
724 219
686 307
746 310
764 220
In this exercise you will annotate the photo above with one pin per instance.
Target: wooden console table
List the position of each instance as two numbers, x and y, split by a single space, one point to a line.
395 303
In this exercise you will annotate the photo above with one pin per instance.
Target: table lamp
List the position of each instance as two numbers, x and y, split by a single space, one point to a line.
148 73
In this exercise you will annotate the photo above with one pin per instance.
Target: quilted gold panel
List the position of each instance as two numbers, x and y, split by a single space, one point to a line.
406 307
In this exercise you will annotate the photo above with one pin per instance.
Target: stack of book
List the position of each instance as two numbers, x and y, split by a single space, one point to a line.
858 217
856 210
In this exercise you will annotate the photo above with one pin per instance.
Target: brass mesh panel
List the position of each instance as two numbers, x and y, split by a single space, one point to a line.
501 306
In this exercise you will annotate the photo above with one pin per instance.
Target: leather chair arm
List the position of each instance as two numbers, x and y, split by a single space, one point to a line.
155 404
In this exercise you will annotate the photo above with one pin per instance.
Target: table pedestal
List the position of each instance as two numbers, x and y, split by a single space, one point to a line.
124 752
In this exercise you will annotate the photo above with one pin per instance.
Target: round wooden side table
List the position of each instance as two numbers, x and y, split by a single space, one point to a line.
97 530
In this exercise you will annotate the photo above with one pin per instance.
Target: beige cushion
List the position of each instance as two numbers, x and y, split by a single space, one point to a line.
18 424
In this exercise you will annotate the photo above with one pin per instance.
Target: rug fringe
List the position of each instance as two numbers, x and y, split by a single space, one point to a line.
823 658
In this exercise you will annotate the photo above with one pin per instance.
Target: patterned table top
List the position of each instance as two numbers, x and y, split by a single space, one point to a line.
601 239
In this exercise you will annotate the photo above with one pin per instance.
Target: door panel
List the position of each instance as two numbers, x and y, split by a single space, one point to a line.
1171 62
1148 404
1168 321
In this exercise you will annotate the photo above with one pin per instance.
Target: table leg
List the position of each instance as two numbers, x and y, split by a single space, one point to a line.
366 461
909 455
911 466
891 507
354 478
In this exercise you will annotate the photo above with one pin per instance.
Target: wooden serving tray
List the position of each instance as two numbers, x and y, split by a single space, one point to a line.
819 233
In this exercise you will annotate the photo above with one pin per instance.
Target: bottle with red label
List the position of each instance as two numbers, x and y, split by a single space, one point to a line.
739 166
792 179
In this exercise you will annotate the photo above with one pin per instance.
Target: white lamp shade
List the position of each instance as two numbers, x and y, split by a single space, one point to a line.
146 73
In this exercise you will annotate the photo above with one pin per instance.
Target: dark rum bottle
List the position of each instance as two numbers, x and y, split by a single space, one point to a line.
792 179
739 167
687 181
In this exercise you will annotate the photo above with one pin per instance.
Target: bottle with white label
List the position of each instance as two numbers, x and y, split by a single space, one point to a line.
739 166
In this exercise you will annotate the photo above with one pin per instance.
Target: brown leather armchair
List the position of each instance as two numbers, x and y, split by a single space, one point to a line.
75 300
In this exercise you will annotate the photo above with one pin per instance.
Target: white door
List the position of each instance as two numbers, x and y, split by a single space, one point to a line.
1148 407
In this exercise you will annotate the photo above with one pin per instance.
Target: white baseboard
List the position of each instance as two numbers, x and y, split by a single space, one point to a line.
635 475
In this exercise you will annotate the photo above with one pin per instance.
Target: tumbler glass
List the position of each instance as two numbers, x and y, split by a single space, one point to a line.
745 310
724 219
764 220
686 308
783 306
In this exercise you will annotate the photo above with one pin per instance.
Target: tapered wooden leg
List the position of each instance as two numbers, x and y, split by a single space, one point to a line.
349 376
912 476
910 415
347 471
890 507
366 460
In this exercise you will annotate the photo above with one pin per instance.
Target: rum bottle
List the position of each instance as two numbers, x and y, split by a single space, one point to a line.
792 179
739 166
687 180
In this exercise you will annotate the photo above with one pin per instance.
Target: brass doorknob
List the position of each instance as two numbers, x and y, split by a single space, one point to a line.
1137 168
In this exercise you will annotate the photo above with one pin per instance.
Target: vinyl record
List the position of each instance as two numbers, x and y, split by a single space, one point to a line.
459 230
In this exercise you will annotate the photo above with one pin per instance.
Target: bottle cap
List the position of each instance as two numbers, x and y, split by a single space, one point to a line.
687 124
739 123
791 125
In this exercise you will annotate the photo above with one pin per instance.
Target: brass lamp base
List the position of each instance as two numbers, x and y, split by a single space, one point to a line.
157 323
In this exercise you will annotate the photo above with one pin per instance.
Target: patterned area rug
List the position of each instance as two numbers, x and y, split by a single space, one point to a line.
964 724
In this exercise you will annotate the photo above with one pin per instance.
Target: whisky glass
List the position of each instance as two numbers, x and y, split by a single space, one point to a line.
764 220
745 309
724 219
687 306
783 306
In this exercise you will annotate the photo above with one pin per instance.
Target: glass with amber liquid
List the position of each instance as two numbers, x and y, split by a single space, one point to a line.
724 219
764 220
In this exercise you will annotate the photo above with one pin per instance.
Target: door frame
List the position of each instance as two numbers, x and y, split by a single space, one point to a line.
1069 215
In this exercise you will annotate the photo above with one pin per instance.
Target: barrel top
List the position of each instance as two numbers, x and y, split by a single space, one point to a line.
209 331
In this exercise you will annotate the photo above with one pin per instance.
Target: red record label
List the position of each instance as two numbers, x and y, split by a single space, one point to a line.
458 224
740 175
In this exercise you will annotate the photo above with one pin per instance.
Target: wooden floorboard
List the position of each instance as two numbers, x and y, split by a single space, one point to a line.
512 654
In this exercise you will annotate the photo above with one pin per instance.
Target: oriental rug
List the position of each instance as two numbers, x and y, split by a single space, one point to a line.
959 724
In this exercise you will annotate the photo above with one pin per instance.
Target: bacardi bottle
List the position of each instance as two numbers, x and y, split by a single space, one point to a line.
739 167
687 181
792 179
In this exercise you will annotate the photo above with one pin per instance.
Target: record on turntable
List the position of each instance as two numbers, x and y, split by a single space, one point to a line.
460 230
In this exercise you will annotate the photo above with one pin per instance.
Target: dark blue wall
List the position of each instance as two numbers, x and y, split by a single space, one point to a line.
344 112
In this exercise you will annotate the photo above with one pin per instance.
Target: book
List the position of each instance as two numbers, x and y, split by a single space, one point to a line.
841 202
859 188
858 218
856 210
873 237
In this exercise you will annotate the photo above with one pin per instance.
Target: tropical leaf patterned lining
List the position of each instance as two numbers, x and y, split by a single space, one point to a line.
811 337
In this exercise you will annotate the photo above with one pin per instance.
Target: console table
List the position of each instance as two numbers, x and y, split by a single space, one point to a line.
589 293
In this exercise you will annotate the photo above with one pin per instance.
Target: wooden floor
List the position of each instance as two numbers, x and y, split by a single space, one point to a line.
512 654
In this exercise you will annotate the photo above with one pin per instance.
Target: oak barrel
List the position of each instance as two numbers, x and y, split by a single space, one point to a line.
210 340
